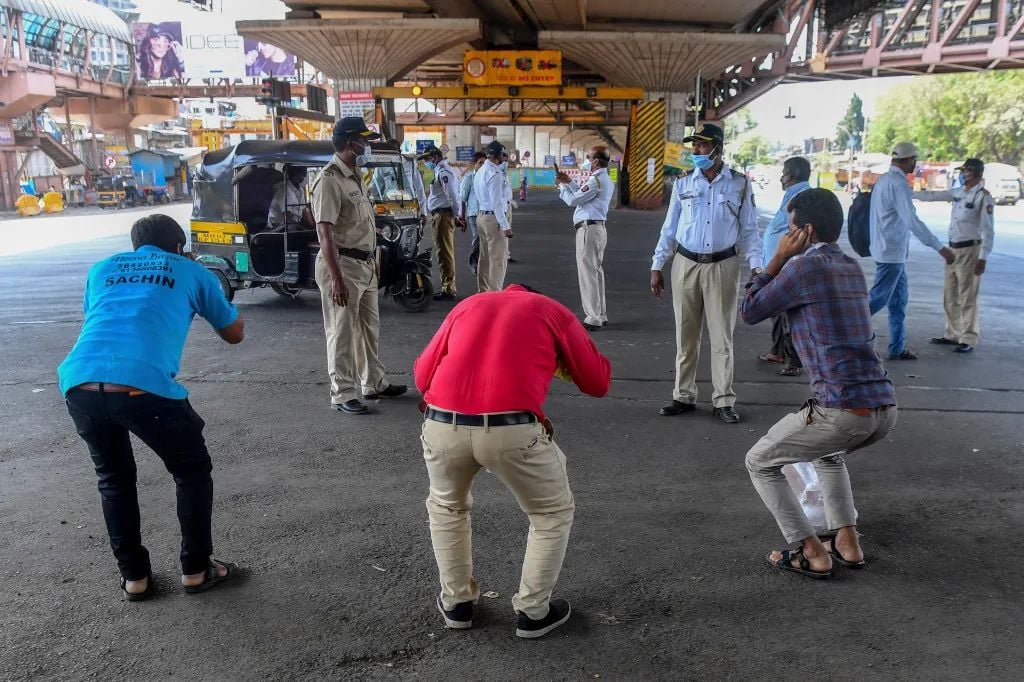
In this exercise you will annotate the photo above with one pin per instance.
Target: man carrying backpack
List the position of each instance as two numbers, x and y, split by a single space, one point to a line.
893 218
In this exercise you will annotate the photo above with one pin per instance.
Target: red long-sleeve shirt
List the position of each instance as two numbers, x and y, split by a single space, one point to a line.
497 352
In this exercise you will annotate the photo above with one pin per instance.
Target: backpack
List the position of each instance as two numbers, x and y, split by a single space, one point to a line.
858 224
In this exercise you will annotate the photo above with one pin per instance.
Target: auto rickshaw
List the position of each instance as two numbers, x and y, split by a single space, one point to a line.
115 191
232 193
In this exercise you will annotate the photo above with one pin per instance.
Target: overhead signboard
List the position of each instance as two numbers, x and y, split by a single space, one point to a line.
204 46
464 153
512 67
357 103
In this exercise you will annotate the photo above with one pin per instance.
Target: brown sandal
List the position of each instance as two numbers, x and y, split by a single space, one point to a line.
804 568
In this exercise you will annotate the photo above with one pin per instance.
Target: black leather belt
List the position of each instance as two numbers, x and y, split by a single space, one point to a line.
356 254
440 210
584 223
500 419
707 257
964 245
485 212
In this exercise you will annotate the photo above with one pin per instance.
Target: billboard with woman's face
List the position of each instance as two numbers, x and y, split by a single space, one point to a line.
159 53
266 59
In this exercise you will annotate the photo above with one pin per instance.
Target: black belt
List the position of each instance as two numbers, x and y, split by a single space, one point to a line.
707 257
500 419
964 245
584 223
356 254
441 210
485 212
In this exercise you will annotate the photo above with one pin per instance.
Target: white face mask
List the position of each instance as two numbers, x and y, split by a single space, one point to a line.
586 166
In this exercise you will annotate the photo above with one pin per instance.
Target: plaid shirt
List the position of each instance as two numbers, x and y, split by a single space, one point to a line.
824 295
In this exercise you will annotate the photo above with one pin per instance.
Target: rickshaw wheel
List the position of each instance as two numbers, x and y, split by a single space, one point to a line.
416 300
286 291
225 285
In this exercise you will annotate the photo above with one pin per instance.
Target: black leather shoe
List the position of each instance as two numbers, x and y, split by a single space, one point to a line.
905 355
353 406
392 391
943 341
445 296
558 613
591 327
964 348
727 414
675 407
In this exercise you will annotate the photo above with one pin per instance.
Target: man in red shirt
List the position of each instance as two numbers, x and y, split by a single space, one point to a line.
484 376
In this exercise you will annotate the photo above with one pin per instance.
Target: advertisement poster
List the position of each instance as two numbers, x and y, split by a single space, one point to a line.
159 50
264 59
357 103
213 49
512 67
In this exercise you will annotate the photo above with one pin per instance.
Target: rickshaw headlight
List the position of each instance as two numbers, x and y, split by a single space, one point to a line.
391 232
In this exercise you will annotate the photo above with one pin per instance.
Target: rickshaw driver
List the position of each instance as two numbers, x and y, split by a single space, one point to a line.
288 210
346 273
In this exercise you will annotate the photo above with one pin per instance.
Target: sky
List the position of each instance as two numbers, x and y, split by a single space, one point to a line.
818 107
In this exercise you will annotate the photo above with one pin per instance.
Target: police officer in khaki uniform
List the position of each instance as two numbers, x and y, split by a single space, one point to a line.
970 237
346 273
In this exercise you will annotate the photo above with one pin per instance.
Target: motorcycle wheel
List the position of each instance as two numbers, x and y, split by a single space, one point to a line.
286 291
416 300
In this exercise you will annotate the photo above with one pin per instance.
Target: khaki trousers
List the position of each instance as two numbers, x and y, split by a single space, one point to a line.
443 225
960 296
702 290
352 331
532 466
590 243
490 273
820 435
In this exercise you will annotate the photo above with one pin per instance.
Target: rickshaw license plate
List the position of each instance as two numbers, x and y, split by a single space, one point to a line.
213 238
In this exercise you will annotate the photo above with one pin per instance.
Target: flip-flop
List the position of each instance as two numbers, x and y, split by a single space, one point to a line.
803 569
834 551
791 372
768 357
139 596
213 576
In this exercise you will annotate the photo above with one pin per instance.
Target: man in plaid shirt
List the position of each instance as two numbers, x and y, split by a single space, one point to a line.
824 295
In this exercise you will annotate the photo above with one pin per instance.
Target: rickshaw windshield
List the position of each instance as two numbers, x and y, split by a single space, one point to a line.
385 178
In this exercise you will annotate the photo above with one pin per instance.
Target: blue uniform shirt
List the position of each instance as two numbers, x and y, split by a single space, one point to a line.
780 223
138 308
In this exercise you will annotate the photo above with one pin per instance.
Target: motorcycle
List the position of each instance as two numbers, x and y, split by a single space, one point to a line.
404 269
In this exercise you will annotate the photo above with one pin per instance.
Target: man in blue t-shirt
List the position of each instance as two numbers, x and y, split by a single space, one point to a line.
120 379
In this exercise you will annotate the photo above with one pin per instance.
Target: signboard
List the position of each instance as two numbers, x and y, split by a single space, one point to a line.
357 103
423 145
674 155
464 153
512 67
204 46
569 160
109 161
550 160
6 134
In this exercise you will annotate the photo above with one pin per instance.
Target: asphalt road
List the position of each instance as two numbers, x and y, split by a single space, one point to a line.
665 568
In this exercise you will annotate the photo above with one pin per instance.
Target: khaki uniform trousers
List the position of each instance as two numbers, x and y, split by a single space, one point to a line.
443 225
960 296
352 331
702 290
820 435
490 273
532 466
590 243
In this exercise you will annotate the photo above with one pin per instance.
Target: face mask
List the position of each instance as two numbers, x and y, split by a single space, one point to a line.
431 165
504 165
586 166
362 154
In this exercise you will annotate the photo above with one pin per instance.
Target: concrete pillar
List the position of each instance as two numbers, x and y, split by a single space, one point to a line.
555 146
526 141
461 136
542 146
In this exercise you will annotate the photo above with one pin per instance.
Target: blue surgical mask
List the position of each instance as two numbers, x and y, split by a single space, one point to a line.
586 166
703 161
431 165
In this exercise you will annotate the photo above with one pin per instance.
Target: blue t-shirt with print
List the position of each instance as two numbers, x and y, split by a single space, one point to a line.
138 307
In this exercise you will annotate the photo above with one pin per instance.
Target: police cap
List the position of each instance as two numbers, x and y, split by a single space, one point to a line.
495 149
708 132
976 165
352 127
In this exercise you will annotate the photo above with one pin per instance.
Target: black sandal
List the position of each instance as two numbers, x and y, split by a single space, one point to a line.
139 596
213 576
834 551
784 564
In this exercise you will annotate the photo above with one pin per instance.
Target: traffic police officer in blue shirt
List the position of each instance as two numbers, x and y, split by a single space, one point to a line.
120 378
711 224
446 211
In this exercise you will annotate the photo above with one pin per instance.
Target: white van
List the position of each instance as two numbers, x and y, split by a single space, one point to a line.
1003 182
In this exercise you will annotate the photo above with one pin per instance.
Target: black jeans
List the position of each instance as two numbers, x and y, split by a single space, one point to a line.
175 433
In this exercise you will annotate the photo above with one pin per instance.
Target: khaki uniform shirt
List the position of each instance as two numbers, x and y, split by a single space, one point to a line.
340 198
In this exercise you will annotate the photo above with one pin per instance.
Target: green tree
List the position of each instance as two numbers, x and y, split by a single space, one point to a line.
740 122
852 122
953 117
753 149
